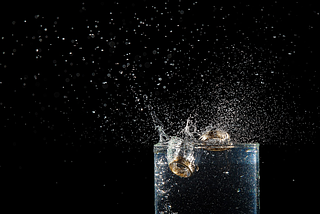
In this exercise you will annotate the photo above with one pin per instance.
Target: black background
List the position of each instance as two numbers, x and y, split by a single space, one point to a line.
55 156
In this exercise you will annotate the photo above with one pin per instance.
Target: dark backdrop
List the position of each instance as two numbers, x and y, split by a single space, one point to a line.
68 140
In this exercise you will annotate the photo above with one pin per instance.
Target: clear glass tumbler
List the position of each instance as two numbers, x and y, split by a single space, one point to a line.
193 177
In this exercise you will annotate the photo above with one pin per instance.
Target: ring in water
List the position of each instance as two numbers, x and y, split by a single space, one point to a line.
182 167
216 140
182 157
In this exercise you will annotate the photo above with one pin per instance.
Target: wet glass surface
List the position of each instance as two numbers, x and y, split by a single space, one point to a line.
225 182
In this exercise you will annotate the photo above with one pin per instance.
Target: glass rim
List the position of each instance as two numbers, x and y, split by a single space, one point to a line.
213 144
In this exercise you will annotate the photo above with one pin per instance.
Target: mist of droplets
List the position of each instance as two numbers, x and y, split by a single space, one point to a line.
186 60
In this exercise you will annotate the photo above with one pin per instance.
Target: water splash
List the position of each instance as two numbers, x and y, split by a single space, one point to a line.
222 80
159 127
243 110
191 129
